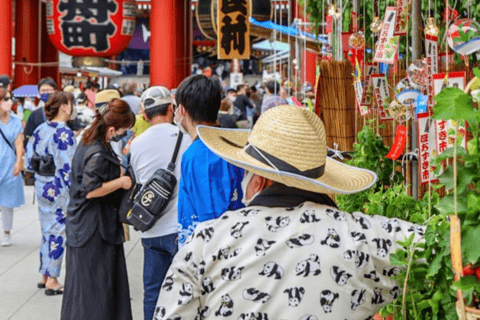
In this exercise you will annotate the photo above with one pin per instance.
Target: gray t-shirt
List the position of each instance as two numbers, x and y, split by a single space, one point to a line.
133 102
151 151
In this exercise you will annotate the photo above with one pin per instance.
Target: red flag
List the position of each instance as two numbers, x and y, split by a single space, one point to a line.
399 143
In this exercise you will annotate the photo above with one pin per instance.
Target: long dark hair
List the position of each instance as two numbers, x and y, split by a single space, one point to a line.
54 103
117 115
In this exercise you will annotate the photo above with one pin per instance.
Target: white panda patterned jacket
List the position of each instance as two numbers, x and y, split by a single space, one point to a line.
303 263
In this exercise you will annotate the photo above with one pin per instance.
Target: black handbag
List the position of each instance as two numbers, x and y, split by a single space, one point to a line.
154 196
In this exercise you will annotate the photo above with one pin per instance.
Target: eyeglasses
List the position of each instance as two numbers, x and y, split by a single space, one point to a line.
6 98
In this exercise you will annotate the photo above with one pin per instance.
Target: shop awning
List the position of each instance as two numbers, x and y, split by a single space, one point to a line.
267 45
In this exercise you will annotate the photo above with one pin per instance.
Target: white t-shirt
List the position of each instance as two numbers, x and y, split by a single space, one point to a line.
151 151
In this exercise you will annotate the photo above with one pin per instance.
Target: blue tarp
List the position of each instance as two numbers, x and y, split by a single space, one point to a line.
29 90
287 30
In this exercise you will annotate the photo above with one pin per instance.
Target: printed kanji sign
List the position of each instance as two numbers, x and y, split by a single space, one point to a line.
382 95
91 27
431 46
233 39
403 15
426 148
387 47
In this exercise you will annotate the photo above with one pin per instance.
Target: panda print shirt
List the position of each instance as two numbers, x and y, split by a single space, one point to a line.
305 263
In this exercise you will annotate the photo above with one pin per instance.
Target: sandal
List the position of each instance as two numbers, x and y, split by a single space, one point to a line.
52 292
41 285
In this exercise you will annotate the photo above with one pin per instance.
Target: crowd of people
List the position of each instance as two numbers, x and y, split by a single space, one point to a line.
244 198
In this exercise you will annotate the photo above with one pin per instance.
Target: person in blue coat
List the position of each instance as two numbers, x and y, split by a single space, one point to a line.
55 144
11 153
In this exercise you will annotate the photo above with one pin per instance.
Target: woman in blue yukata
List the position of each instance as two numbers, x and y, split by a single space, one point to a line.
50 152
11 153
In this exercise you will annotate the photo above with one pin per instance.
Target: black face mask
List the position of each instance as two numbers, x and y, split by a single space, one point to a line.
119 137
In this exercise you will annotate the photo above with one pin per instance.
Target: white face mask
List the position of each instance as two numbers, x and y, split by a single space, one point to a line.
179 123
245 182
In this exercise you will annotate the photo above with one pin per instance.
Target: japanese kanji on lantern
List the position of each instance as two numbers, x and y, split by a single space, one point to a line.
233 40
91 27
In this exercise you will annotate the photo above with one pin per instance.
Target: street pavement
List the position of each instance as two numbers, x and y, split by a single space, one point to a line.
20 299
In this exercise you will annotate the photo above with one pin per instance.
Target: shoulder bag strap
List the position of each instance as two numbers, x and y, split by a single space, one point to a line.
8 142
171 165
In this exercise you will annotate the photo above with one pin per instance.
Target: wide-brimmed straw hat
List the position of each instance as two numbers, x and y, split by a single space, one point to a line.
287 145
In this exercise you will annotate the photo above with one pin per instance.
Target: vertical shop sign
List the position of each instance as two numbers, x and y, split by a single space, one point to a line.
382 95
426 148
387 47
233 40
431 44
371 68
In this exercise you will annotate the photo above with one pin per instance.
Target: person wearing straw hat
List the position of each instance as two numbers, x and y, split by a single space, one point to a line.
290 254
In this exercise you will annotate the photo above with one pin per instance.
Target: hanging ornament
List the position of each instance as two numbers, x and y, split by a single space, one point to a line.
416 73
332 10
399 111
353 55
431 28
463 36
406 94
376 25
357 41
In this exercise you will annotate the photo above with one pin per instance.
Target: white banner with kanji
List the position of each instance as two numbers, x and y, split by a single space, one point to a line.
387 48
431 45
426 148
382 96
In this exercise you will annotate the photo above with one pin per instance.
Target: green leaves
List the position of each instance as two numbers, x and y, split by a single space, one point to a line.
470 244
476 72
453 104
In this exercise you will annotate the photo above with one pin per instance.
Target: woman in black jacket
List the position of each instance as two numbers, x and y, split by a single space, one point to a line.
96 283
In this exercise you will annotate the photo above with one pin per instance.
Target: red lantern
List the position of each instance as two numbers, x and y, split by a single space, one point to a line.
91 27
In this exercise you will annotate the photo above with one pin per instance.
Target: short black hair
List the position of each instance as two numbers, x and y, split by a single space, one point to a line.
240 87
273 86
231 90
201 97
160 110
48 81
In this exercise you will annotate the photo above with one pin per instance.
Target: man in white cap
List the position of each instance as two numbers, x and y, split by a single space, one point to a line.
149 152
290 254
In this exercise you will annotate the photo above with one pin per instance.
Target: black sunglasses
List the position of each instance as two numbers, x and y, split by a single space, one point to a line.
6 98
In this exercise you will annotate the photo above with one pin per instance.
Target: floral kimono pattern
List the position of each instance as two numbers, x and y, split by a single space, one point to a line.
309 262
58 140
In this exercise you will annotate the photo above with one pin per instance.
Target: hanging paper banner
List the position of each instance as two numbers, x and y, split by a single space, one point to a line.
387 44
382 95
233 40
422 104
458 80
358 97
329 25
399 143
426 148
403 14
371 68
431 44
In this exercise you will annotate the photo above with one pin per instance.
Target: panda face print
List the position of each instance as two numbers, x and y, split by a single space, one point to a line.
327 298
349 254
309 266
361 259
203 313
273 224
358 236
186 293
339 276
263 246
253 316
226 307
273 270
391 272
308 216
362 221
255 295
377 296
300 241
395 292
417 229
383 246
372 275
332 239
391 226
236 230
206 234
336 215
159 313
232 273
295 296
358 298
199 269
248 212
207 285
168 282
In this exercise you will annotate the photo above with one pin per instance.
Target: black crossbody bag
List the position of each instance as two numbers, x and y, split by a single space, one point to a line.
8 142
155 194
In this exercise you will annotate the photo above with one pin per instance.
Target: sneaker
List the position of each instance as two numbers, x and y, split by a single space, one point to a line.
6 240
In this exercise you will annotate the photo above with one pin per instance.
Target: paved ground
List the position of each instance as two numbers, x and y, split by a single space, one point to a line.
19 297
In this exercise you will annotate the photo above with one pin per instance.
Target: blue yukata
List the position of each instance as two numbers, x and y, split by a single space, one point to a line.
208 187
56 139
11 187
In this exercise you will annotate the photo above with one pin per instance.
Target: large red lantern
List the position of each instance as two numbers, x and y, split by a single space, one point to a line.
91 27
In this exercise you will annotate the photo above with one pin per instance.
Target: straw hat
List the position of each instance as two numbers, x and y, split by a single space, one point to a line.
287 145
106 96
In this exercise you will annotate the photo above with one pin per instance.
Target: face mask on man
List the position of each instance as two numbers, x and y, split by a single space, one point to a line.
178 123
246 180
118 137
44 97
